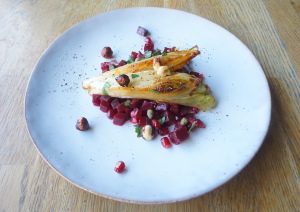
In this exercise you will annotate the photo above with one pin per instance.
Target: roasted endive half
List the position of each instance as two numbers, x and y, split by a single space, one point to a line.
156 79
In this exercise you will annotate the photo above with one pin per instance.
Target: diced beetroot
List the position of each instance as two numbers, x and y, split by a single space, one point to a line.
135 103
96 99
142 31
114 103
121 63
146 105
179 135
177 126
196 110
111 113
104 106
140 55
136 113
123 108
148 47
105 98
148 40
104 67
201 76
174 108
164 130
170 118
158 115
196 74
143 121
120 119
133 55
155 124
183 110
162 106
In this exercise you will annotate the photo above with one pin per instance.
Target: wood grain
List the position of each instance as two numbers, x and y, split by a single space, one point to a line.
269 28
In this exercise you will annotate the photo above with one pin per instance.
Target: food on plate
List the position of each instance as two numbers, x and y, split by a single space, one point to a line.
165 86
156 91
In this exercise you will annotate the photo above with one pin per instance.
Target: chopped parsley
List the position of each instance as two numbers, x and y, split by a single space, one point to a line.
127 102
130 60
148 54
192 126
106 85
138 130
154 91
164 54
111 67
162 120
134 76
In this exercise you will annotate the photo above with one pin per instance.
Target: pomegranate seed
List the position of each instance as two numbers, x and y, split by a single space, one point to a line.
120 166
156 124
165 142
196 110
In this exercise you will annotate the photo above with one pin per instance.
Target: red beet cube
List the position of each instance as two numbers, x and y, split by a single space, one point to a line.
183 110
133 55
143 121
123 108
174 108
120 119
140 55
114 103
148 47
121 63
179 135
111 113
162 106
142 31
146 105
170 118
104 106
164 130
104 67
178 126
96 99
135 103
136 113
104 98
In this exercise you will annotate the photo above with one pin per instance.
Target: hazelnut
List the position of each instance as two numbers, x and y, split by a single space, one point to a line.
147 133
123 80
106 52
82 124
150 113
183 121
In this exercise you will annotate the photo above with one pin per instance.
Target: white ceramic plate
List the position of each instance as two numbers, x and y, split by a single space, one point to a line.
235 128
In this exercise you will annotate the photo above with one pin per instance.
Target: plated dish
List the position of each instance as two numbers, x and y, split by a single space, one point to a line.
235 128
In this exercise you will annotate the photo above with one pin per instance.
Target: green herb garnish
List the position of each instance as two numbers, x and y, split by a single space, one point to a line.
155 53
162 120
154 91
127 102
130 60
138 130
106 85
148 54
164 54
192 126
111 67
134 76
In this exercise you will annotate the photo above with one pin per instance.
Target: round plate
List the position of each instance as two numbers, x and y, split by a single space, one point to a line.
235 128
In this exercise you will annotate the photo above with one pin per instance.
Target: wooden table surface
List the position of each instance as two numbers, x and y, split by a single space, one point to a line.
269 28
